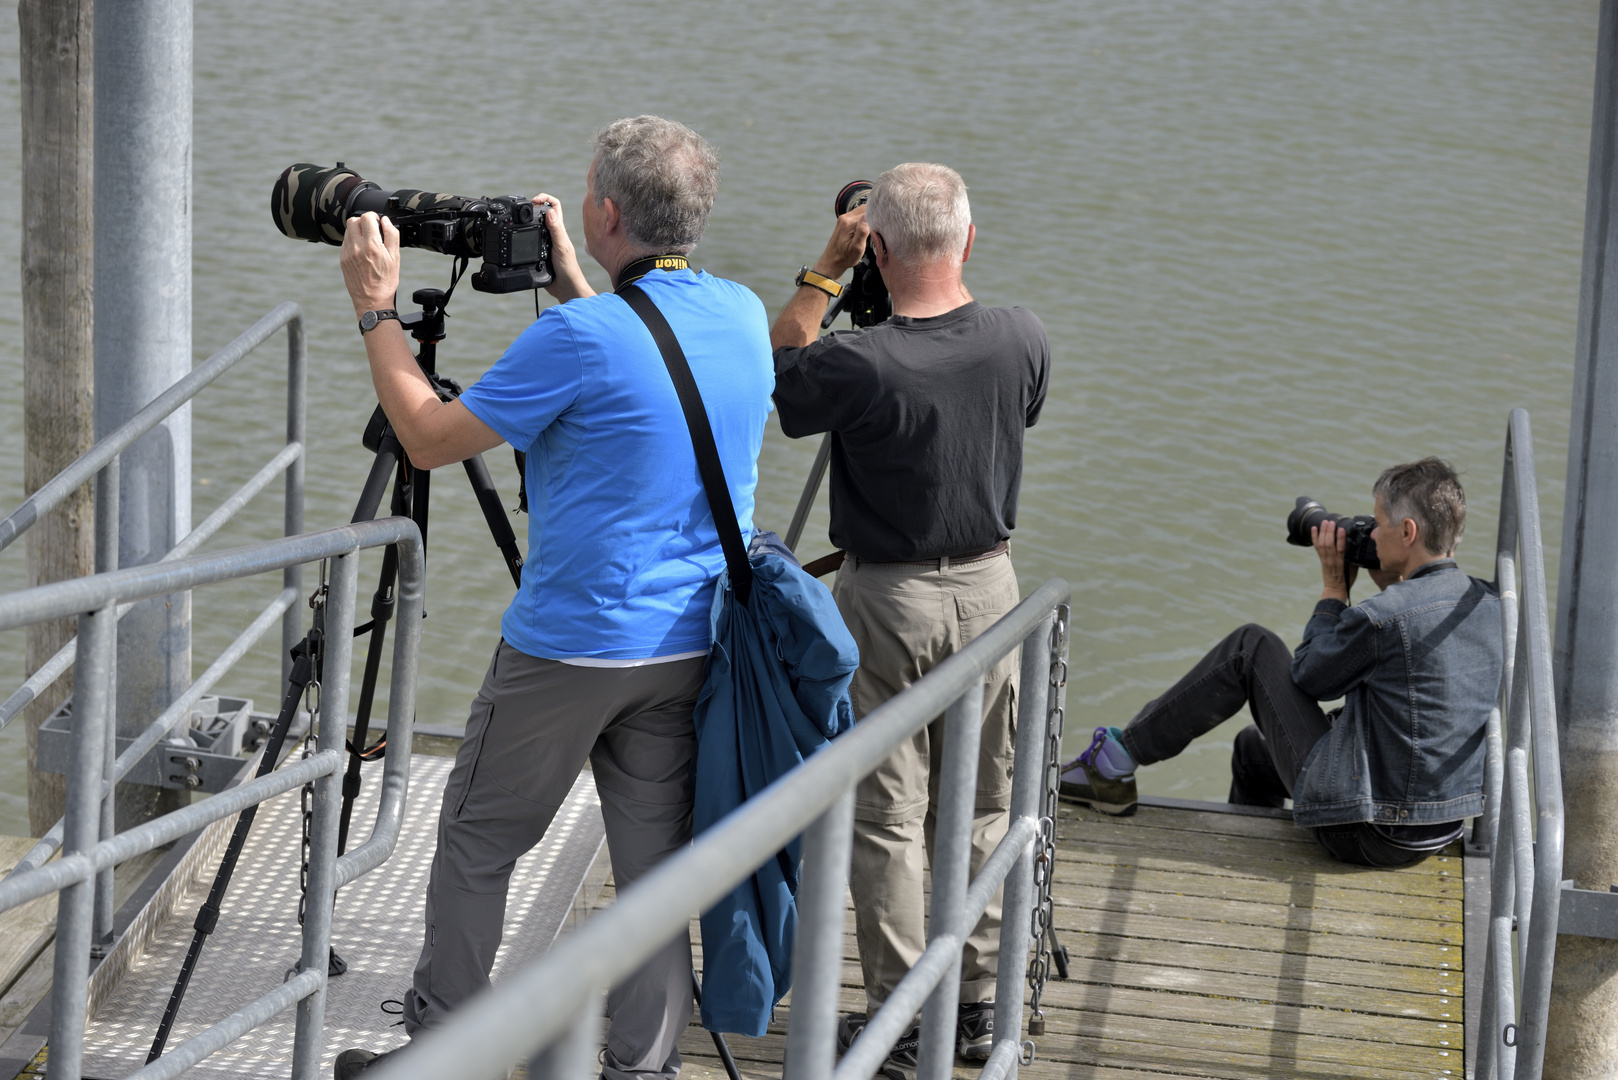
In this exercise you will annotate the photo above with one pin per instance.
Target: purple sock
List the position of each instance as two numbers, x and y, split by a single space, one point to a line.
1108 755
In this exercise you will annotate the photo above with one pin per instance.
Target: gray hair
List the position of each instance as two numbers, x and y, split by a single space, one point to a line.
1429 493
921 211
663 177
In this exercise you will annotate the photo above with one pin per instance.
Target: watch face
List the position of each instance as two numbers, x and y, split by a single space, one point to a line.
368 320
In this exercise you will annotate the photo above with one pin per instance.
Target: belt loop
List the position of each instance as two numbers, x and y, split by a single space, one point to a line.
943 564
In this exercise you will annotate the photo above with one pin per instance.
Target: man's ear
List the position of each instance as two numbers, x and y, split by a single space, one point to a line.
880 247
1411 532
611 219
971 235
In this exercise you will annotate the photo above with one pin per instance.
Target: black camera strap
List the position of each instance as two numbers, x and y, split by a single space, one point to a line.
702 440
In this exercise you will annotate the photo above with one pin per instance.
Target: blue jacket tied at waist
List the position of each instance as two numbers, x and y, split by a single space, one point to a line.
776 691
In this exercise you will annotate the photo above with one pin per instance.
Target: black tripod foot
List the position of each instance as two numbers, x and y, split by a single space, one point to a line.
335 966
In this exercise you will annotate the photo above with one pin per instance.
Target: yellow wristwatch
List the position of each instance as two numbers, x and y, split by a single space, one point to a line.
825 284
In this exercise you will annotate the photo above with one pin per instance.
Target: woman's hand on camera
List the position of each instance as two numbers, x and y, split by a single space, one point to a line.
370 262
568 278
1336 574
846 246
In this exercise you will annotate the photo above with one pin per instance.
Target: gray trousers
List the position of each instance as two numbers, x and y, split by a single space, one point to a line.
531 728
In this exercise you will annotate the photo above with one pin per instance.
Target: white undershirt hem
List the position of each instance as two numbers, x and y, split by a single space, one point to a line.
592 661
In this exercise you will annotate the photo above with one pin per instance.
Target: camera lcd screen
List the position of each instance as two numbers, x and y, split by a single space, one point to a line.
524 246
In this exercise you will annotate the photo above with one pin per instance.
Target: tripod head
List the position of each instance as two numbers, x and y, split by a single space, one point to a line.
427 325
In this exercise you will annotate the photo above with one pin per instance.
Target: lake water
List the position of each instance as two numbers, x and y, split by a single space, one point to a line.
1276 247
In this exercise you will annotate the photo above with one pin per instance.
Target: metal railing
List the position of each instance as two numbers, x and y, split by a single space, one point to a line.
1525 861
95 600
102 463
550 1010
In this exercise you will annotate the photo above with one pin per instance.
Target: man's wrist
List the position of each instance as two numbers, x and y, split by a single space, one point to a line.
826 268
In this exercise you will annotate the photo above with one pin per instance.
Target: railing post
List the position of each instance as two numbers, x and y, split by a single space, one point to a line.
107 485
292 494
92 715
952 872
1027 782
817 955
334 676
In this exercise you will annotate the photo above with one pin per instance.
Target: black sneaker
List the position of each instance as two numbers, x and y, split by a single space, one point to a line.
1083 783
350 1063
974 1030
849 1026
901 1063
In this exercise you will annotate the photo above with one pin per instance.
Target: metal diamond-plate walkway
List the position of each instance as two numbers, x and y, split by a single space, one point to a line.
377 930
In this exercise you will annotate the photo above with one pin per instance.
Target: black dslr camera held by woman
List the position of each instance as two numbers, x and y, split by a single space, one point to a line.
507 231
1358 546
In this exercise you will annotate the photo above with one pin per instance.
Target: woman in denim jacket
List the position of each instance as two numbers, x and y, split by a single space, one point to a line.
1387 778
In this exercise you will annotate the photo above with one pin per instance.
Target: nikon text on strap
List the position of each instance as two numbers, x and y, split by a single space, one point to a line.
702 441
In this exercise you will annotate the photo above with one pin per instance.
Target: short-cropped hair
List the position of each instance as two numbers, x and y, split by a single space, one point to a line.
921 211
1429 493
663 177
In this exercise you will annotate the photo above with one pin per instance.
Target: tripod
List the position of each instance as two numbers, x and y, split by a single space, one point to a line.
411 489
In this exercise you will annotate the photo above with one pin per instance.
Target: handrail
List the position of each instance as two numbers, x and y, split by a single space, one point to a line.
1525 861
102 462
87 855
552 1004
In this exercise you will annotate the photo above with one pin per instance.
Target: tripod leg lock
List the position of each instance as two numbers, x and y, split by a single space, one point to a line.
207 919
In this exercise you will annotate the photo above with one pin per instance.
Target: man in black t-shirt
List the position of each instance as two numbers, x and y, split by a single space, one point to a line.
926 413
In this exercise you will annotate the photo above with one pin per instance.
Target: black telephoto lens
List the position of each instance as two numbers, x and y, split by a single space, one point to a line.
1359 547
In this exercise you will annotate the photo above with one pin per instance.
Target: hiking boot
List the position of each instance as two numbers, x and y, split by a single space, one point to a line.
350 1063
901 1063
974 1030
849 1026
1083 782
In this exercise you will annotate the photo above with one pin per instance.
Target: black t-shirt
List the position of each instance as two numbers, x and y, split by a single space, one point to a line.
927 419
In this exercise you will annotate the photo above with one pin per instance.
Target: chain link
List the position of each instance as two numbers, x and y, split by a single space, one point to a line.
311 698
1043 915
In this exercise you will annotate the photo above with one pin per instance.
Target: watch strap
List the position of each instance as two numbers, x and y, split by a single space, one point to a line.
370 319
827 285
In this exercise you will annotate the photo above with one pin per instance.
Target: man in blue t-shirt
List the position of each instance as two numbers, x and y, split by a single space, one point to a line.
603 647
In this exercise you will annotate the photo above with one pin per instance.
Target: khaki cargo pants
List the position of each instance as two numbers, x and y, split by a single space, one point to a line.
907 618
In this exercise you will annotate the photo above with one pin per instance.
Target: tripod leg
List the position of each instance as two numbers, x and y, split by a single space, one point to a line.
382 603
719 1043
388 455
495 514
208 916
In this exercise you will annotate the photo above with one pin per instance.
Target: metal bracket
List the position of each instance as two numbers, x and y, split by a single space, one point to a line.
1588 912
203 754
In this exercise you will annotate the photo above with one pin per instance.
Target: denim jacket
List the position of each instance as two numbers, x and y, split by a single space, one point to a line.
1419 668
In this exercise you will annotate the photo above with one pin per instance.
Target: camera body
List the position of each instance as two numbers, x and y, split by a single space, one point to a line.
507 231
1358 546
865 298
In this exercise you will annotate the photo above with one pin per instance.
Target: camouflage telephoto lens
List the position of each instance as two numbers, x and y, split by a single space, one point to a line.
314 203
311 203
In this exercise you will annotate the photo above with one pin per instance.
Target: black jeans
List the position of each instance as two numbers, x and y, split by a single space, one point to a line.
1253 667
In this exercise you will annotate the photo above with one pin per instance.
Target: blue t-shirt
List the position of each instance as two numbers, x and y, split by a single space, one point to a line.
622 549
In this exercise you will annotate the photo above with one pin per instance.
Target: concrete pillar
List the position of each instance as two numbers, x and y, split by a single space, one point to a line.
1582 1031
143 326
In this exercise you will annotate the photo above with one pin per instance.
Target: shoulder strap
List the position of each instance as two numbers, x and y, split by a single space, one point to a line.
702 441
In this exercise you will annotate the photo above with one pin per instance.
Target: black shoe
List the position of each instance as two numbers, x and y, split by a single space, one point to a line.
350 1063
974 1030
901 1063
1083 783
849 1026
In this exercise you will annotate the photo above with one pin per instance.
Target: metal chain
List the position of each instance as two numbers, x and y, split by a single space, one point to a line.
312 705
1039 968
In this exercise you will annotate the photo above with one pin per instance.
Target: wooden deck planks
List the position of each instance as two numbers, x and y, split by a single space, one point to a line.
1214 945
